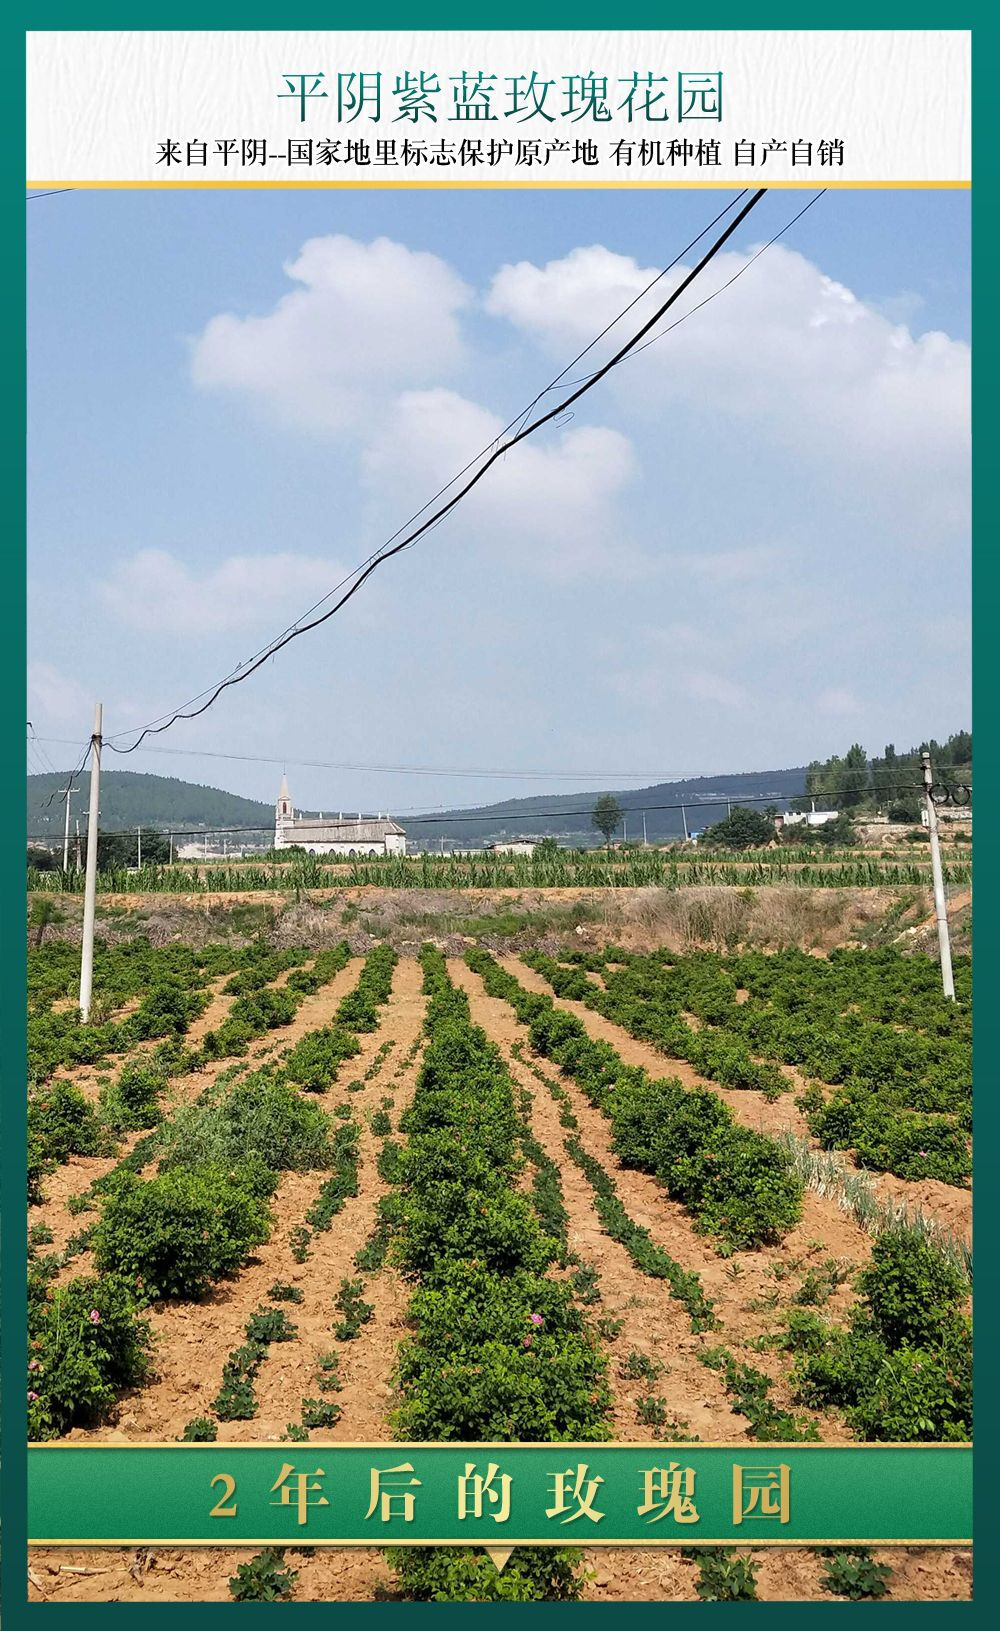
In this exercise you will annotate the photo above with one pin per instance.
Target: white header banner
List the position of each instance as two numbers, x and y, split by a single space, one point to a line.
801 108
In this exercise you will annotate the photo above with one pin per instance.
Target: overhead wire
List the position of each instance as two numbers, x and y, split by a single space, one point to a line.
273 644
723 287
361 575
705 802
471 771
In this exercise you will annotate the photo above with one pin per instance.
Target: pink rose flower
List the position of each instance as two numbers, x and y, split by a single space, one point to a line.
94 1317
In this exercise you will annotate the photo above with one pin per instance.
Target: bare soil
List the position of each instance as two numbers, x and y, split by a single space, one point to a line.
946 1203
751 1291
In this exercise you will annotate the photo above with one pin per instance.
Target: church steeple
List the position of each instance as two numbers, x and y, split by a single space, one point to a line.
283 808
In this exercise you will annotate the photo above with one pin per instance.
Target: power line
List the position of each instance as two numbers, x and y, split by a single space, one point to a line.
727 285
35 741
242 669
411 538
706 802
518 419
473 771
31 198
421 770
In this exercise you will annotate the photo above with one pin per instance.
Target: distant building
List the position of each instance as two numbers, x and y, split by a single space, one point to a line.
809 818
365 835
512 846
209 849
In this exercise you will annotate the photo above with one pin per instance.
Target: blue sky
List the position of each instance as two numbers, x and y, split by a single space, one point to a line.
748 548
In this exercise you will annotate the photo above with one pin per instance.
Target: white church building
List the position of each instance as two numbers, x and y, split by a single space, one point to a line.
340 835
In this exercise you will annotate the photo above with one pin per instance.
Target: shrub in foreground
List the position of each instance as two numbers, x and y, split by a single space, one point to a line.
181 1230
86 1343
261 1123
131 1101
461 1574
901 1371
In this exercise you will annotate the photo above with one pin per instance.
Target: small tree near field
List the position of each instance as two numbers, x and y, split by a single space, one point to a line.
608 816
744 829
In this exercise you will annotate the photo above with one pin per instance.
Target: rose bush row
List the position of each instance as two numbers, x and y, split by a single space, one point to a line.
737 1184
499 1349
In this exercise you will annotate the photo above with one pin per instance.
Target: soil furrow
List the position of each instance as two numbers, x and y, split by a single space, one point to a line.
949 1205
767 1276
654 1323
79 1171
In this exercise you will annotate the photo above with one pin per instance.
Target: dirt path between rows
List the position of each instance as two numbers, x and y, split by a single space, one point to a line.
945 1203
75 1175
769 1274
642 1575
654 1322
193 1340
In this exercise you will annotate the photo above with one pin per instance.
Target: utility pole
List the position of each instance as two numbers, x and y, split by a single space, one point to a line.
138 849
78 843
940 905
171 849
644 829
90 885
624 826
69 789
684 818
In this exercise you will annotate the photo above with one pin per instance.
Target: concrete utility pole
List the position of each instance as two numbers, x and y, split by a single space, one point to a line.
644 829
684 818
138 849
78 843
69 789
90 885
940 904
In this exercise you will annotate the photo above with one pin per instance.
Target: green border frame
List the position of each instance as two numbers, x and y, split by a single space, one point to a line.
569 15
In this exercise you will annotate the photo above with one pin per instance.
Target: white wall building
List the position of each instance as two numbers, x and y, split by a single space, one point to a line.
811 818
319 835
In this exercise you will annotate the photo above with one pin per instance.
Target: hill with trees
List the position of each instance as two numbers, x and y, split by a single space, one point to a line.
131 798
852 783
892 782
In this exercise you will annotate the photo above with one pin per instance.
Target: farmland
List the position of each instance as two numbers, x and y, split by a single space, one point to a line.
334 1176
906 864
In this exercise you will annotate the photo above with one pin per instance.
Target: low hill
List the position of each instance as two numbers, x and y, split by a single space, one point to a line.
130 799
703 796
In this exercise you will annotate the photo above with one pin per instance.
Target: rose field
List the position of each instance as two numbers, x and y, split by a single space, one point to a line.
465 1188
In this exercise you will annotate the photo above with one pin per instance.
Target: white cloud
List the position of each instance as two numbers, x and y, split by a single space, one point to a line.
56 696
572 298
706 686
731 565
154 591
367 319
553 502
837 702
680 639
787 352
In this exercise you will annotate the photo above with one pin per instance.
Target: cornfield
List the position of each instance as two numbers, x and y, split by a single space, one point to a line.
568 870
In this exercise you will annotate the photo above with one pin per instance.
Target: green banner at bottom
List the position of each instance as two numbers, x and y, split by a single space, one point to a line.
498 1494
